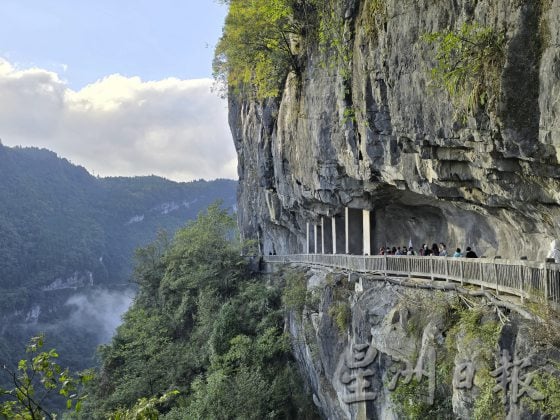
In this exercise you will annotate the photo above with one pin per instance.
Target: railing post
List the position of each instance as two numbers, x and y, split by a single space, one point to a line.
409 266
497 283
480 276
461 271
520 270
432 268
546 284
386 265
446 270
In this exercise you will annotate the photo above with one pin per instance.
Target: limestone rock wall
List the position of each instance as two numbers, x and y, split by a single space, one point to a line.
492 182
410 353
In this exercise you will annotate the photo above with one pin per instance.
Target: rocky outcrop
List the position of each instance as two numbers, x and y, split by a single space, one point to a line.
77 280
492 180
409 353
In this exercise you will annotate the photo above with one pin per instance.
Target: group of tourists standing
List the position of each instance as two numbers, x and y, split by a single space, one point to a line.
425 251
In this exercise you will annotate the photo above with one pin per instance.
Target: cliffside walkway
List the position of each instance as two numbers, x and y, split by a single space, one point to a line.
526 279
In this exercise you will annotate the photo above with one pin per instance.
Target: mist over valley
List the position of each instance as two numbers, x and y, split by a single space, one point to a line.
67 241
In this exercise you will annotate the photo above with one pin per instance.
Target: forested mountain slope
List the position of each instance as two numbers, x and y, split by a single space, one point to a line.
204 325
56 219
67 242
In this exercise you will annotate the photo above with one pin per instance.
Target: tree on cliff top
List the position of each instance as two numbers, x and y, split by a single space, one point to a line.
256 46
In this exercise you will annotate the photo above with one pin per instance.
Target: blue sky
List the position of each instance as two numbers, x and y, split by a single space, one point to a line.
94 38
122 87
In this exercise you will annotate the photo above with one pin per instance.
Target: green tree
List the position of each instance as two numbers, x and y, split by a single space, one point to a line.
36 379
201 324
144 409
256 48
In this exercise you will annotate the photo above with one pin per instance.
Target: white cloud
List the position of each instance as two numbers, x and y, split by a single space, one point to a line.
120 125
99 311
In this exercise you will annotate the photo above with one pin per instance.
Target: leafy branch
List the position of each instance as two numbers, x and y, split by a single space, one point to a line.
468 64
36 379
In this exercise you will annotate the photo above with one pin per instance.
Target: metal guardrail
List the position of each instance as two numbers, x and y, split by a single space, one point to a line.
526 279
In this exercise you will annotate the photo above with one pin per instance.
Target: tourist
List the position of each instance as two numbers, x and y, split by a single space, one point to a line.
426 251
410 251
470 253
381 251
457 253
442 250
554 251
435 250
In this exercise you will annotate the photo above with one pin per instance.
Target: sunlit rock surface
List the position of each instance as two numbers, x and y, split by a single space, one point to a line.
491 181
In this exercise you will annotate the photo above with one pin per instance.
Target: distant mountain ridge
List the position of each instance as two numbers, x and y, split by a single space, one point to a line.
61 225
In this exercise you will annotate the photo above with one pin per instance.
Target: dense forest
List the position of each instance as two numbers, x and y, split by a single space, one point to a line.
204 337
55 219
203 325
67 242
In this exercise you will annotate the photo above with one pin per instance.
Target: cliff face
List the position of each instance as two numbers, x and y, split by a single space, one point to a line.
491 180
379 350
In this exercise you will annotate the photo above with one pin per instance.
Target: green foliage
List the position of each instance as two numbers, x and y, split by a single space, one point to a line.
549 386
255 48
341 314
55 220
472 324
38 377
468 65
294 295
203 326
340 310
349 114
144 409
411 401
545 36
488 404
439 306
375 15
331 34
545 331
475 326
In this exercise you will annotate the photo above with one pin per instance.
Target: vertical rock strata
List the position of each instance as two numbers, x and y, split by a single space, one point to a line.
375 133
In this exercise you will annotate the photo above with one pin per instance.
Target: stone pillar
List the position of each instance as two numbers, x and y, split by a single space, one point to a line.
355 236
315 249
346 231
333 227
327 235
339 234
367 231
308 238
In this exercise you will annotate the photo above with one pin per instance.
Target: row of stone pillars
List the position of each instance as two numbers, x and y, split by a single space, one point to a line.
347 233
